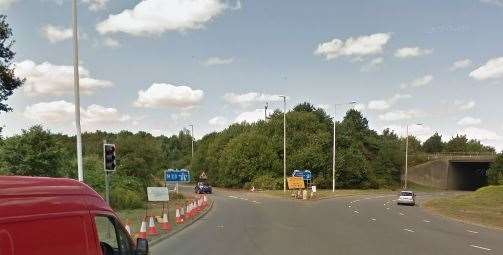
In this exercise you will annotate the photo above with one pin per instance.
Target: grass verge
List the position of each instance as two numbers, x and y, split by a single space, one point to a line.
484 206
325 193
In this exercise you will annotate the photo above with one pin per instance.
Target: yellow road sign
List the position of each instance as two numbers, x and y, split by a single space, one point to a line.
295 182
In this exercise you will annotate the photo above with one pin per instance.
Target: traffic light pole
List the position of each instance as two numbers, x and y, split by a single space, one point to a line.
107 184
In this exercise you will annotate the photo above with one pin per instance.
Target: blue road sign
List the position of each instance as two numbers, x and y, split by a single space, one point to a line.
175 175
305 174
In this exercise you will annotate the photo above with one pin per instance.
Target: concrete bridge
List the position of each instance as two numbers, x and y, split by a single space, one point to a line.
457 172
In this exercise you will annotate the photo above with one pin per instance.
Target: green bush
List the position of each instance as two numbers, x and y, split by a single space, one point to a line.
266 182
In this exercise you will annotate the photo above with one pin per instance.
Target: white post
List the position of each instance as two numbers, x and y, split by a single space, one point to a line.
284 143
406 155
76 91
192 138
333 153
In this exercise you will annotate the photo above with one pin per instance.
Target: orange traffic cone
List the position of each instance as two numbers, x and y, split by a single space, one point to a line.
205 199
152 230
189 211
128 226
179 219
165 223
143 230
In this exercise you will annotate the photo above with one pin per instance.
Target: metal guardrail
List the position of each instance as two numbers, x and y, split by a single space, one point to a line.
458 155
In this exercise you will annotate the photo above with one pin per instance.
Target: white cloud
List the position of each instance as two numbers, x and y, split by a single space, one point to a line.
250 117
469 121
218 121
325 107
96 5
62 111
410 52
217 61
162 95
384 104
460 64
153 17
422 132
495 2
378 105
49 79
56 34
5 4
479 134
491 70
372 64
112 43
251 97
359 107
399 115
464 105
419 82
356 47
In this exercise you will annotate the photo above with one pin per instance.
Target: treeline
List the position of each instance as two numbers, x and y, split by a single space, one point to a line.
242 155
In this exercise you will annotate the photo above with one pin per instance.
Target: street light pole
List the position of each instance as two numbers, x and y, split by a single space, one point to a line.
407 153
333 150
192 138
77 92
284 143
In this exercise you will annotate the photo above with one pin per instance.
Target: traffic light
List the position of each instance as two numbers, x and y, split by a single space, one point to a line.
109 157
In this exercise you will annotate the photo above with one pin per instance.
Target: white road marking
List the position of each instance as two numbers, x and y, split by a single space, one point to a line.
480 247
401 214
220 226
355 211
232 197
385 203
427 221
408 230
373 219
256 202
471 231
387 208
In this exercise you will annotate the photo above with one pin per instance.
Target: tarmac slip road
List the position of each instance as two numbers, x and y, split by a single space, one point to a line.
244 223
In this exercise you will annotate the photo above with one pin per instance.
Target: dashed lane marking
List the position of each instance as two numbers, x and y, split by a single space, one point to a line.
471 231
401 214
427 221
408 230
387 208
232 196
480 247
373 219
355 211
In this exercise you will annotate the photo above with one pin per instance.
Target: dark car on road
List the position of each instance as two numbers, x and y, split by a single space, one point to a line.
203 188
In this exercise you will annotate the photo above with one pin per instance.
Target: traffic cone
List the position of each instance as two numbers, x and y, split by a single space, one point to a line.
179 219
152 230
189 211
182 213
165 223
128 226
205 199
143 230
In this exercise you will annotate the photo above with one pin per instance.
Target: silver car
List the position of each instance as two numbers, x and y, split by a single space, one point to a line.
406 198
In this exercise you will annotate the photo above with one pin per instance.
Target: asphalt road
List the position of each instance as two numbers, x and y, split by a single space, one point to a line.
245 223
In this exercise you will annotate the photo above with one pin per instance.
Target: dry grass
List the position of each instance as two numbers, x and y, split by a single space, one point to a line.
484 206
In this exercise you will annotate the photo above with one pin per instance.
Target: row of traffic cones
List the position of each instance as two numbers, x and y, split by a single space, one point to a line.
192 209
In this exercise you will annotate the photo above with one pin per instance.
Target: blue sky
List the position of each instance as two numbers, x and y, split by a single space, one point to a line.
160 65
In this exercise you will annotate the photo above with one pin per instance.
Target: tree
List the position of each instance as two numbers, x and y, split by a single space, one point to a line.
35 152
8 81
457 144
434 144
495 171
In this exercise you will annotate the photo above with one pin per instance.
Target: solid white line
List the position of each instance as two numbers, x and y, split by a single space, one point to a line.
427 221
471 231
409 230
480 247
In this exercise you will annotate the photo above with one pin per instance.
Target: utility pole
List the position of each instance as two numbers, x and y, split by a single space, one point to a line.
192 139
333 150
284 143
407 152
80 167
265 110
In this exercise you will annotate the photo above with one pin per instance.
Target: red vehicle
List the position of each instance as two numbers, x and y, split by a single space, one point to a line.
59 216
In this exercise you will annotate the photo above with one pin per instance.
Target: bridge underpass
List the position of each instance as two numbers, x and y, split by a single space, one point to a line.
454 173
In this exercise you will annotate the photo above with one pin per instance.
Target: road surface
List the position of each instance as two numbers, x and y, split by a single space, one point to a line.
245 223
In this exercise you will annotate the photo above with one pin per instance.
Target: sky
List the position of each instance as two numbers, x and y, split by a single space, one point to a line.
162 65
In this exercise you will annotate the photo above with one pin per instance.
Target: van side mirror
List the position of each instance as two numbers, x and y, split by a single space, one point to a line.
141 246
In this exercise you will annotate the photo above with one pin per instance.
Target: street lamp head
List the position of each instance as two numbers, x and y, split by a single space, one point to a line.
353 102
